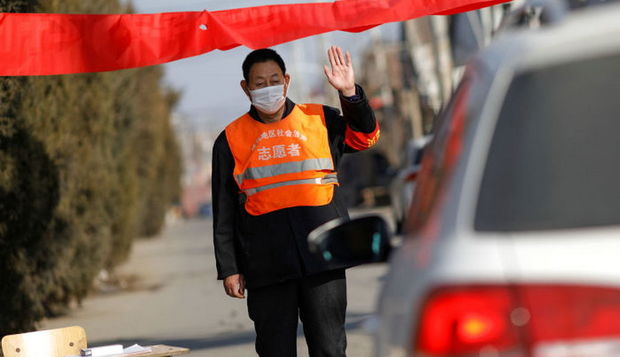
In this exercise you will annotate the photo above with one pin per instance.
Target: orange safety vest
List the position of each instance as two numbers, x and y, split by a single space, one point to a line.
283 164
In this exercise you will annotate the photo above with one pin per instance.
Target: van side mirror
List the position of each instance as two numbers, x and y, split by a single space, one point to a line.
359 241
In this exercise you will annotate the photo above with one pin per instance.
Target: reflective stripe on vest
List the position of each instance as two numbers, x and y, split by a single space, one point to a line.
254 173
283 164
325 180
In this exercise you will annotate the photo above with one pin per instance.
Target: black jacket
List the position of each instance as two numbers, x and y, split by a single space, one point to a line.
272 247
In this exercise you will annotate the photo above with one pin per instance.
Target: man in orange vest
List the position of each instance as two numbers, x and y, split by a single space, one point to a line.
274 181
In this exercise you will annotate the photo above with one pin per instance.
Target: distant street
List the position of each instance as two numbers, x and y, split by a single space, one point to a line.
173 298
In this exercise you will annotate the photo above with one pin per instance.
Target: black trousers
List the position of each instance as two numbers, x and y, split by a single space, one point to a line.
320 301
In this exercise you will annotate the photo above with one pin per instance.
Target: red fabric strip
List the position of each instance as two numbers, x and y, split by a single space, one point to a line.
358 140
45 44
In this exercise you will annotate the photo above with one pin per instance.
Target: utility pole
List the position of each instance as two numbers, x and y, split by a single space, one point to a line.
443 56
299 82
380 57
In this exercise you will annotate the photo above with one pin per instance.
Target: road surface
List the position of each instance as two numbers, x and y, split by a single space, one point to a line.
173 298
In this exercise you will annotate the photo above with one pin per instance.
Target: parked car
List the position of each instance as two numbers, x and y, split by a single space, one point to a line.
513 246
403 183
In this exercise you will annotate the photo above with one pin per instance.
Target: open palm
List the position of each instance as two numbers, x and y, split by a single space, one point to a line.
340 75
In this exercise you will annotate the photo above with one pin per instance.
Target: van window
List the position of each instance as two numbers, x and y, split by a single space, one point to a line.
554 160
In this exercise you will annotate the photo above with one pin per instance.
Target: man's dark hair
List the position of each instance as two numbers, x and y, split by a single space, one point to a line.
259 56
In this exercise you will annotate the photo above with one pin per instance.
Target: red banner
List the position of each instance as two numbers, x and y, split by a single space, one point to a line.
45 44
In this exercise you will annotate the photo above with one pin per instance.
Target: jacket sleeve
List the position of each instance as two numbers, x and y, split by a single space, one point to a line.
362 129
224 200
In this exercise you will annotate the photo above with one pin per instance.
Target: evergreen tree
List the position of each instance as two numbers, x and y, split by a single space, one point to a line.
87 163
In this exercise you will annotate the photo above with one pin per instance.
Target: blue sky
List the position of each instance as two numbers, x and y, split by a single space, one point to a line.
210 82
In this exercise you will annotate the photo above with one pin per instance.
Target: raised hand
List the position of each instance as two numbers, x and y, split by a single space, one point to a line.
340 75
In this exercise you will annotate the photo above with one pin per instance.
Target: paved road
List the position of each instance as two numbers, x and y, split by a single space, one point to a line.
175 299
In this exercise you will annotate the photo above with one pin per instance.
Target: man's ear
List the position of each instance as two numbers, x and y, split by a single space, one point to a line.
244 86
287 81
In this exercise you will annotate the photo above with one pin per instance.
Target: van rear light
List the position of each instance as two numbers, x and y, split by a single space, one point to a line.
573 313
520 320
464 320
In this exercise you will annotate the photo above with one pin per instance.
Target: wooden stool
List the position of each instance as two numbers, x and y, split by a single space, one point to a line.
48 343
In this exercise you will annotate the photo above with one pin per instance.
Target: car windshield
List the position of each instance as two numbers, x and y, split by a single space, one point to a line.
554 160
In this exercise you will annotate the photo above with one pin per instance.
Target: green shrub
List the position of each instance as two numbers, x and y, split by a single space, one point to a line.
87 163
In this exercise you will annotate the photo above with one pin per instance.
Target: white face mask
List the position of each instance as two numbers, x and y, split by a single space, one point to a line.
269 99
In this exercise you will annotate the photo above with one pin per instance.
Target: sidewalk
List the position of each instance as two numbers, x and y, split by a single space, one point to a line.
177 301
